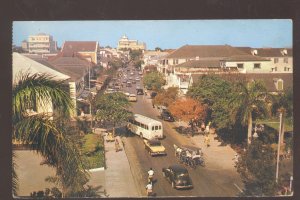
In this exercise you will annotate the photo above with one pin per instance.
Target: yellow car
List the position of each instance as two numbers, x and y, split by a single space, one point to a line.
154 147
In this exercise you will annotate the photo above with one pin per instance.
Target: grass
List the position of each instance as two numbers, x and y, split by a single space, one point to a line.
274 123
93 151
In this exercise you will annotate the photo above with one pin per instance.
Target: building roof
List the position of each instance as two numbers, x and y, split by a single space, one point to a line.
269 79
245 58
200 64
205 51
24 64
75 67
268 52
71 47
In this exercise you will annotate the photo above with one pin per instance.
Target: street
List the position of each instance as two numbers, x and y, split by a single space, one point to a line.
208 181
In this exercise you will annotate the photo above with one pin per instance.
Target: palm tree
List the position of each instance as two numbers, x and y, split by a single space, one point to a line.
249 98
40 131
284 104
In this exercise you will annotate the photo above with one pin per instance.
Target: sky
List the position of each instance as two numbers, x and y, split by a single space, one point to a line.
166 34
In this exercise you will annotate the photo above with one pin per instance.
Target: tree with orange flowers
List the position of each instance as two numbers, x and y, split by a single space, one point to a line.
187 109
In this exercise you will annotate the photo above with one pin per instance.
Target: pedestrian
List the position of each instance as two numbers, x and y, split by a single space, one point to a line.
149 189
236 159
117 145
207 140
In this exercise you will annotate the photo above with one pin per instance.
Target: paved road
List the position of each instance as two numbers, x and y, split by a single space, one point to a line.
211 181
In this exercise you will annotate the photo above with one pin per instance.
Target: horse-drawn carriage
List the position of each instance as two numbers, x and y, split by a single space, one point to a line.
190 156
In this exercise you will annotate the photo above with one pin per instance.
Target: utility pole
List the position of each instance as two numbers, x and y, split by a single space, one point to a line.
278 145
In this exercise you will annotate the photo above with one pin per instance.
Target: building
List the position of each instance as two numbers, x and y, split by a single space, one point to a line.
23 64
41 44
281 58
180 64
88 50
125 43
80 72
24 45
152 58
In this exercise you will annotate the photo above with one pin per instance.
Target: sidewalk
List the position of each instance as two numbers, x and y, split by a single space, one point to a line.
118 179
217 156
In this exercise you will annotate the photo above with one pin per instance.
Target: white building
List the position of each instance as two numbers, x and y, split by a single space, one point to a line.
41 44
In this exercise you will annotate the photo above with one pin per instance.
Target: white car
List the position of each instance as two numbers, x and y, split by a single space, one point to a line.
137 79
132 97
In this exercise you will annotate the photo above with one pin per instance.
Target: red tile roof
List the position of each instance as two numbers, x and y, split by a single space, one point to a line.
71 47
205 51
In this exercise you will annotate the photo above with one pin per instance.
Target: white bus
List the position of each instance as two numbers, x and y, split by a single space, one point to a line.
145 127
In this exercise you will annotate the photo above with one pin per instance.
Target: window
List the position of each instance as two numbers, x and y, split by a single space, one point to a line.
275 60
173 61
275 69
240 65
280 85
152 128
156 128
285 60
257 66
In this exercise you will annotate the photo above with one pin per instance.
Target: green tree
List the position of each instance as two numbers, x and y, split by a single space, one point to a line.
248 99
257 169
158 49
41 132
215 92
154 80
113 107
166 97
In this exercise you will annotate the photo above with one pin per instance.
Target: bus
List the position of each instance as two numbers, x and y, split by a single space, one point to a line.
145 127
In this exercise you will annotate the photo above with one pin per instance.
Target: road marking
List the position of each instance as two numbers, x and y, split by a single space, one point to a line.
238 187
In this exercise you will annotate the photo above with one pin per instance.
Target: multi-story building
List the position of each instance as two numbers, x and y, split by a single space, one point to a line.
152 58
281 58
125 43
41 44
180 64
88 50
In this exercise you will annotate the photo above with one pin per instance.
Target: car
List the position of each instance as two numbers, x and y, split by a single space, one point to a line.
139 91
178 176
166 116
153 94
133 82
128 84
137 79
132 97
154 147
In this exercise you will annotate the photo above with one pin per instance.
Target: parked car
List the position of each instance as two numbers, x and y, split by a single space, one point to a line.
132 97
154 147
166 116
178 176
139 91
153 94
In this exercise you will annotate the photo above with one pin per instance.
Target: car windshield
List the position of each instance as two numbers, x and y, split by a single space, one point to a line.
182 175
155 143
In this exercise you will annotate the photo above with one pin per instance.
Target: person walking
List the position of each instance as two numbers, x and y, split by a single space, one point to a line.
207 140
117 145
149 189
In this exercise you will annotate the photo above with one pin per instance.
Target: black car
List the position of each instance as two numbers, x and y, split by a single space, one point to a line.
139 91
166 116
178 176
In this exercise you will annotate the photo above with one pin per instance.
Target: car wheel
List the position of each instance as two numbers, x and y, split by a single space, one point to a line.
173 185
164 174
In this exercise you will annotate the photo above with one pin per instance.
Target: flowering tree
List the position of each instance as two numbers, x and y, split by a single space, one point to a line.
187 109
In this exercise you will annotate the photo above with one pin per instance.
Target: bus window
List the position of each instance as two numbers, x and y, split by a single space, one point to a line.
146 127
159 127
156 127
152 128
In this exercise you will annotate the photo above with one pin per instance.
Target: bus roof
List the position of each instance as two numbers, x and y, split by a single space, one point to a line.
145 120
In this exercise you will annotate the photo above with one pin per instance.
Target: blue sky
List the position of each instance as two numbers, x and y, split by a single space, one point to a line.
166 34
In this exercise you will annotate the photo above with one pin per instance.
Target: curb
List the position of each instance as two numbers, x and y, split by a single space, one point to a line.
96 169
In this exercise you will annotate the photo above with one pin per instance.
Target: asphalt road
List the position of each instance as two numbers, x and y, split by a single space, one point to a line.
208 182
